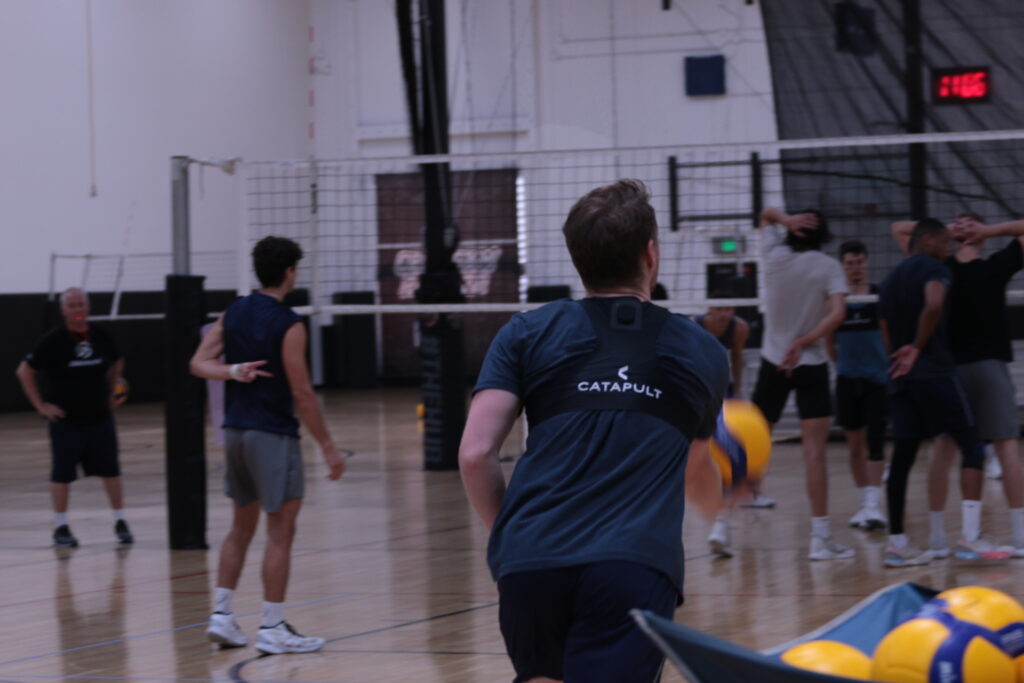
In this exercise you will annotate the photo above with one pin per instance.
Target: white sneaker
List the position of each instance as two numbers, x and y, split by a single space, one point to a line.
1018 549
938 546
758 501
718 539
874 518
828 549
906 557
283 639
981 550
993 468
859 519
224 631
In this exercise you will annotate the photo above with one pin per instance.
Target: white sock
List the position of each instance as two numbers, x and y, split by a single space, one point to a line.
60 518
898 541
872 495
118 515
863 491
222 600
1017 520
971 512
937 523
273 614
820 527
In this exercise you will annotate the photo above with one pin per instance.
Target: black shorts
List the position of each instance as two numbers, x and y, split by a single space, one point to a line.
860 403
573 623
93 445
922 408
810 382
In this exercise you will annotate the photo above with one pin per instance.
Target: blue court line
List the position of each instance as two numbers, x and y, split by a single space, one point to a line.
166 630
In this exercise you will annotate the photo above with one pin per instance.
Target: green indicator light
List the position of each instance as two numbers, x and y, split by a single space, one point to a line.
727 246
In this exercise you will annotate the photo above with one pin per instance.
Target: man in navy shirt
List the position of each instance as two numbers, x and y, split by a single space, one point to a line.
264 345
926 395
615 390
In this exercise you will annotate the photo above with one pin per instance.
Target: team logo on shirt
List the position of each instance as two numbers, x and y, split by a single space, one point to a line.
83 350
623 387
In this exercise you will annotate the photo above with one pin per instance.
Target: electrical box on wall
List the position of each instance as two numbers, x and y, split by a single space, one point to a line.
705 75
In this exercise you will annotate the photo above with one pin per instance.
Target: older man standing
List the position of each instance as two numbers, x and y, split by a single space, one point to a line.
79 364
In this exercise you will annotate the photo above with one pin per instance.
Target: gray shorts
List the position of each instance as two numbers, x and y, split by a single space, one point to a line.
995 402
262 466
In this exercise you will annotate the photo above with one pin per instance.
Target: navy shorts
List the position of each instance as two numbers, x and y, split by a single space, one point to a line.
572 623
810 382
93 445
922 408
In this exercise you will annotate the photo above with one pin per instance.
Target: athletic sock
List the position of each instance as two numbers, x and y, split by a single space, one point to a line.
863 491
118 515
820 527
273 614
1017 520
971 512
937 523
60 519
898 541
872 494
222 600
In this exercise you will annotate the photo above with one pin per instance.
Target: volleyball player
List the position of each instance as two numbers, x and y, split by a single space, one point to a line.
615 389
926 395
980 344
804 294
79 364
264 347
862 372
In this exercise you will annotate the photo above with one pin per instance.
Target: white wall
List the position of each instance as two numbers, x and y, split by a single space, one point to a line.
546 74
193 77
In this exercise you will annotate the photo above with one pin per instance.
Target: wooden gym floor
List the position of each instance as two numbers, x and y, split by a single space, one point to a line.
388 565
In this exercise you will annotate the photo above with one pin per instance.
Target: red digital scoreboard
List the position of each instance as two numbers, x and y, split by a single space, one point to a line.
961 85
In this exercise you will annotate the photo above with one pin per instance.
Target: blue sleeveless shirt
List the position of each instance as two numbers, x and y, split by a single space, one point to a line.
254 329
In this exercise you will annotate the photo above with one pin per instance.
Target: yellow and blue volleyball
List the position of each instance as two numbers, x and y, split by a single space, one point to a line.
988 607
742 443
941 649
120 390
829 657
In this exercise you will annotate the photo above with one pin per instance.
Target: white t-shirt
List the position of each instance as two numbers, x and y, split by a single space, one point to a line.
797 285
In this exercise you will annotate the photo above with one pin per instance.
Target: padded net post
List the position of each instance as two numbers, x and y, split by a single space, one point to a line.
184 416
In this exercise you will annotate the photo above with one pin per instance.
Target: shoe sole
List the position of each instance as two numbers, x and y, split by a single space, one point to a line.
830 556
271 650
223 641
981 558
126 541
720 549
59 544
875 524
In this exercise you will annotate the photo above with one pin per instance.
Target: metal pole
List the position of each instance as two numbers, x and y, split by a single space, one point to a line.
180 216
756 188
914 84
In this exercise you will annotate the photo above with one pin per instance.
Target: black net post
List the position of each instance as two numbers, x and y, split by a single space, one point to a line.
184 417
443 389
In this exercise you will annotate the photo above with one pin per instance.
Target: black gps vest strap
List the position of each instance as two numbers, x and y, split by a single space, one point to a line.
622 373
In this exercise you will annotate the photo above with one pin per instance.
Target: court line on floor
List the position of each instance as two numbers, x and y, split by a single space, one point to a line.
236 670
158 633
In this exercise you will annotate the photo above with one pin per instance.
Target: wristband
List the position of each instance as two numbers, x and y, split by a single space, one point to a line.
236 372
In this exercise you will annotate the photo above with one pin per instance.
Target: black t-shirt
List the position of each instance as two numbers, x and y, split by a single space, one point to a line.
73 369
977 305
900 302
